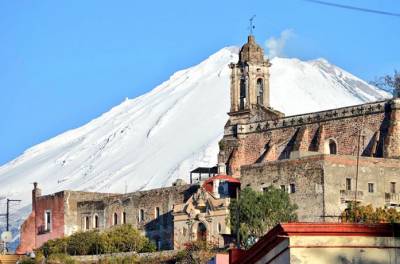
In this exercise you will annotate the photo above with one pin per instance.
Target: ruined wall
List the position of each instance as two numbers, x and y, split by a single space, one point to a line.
158 229
320 183
306 134
72 198
55 204
305 173
27 237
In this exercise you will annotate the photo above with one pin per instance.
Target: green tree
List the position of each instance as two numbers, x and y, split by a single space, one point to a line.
259 212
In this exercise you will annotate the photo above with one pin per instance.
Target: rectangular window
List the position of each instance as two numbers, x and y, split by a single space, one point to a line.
292 188
283 188
157 212
141 215
393 187
348 184
370 187
47 221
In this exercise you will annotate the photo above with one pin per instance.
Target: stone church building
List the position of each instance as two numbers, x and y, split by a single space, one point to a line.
323 160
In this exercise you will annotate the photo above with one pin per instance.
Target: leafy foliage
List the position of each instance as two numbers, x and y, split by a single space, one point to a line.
259 212
367 214
196 252
122 238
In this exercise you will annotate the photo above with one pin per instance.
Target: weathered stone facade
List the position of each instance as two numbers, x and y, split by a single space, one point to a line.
205 216
149 211
70 212
322 185
313 155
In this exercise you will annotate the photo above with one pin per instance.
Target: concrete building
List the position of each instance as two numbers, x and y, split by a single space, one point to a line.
297 243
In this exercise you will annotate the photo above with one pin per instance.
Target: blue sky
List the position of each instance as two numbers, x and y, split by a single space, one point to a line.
65 63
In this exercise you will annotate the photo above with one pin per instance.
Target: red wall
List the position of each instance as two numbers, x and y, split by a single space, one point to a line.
55 203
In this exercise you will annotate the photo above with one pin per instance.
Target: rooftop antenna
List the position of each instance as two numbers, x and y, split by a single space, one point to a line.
251 24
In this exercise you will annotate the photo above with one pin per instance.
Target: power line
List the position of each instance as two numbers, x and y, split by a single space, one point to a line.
354 8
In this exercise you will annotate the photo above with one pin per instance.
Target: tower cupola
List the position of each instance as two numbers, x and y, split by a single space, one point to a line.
251 52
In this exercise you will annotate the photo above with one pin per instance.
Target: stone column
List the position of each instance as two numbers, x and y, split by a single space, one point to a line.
392 140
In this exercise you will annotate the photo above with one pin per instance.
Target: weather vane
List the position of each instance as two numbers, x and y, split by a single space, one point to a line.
251 26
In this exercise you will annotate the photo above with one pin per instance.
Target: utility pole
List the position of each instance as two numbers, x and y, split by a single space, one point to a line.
7 214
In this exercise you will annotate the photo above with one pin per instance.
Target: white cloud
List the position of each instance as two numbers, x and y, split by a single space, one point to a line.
276 46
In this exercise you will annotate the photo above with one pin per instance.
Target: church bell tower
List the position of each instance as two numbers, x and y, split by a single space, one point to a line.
250 85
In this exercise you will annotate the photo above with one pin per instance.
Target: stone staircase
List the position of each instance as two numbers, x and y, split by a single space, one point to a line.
9 259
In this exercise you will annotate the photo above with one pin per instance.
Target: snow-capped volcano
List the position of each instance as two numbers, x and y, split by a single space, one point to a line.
153 139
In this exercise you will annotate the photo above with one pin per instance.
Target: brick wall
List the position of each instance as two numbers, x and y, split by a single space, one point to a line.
276 139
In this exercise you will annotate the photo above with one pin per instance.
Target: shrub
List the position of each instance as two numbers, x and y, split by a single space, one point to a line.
367 214
125 238
55 246
60 259
86 243
148 246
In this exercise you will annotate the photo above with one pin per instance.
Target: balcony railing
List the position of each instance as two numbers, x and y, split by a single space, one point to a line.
42 230
350 195
392 198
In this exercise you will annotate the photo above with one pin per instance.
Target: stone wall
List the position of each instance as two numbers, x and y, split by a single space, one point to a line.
158 229
305 173
320 182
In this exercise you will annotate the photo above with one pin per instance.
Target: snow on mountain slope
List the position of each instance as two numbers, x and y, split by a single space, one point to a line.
153 139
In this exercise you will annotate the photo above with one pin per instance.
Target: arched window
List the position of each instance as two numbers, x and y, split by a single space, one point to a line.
260 91
201 232
332 147
115 220
242 101
219 228
123 218
87 223
95 221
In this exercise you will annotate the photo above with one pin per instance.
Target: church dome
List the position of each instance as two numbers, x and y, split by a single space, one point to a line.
251 51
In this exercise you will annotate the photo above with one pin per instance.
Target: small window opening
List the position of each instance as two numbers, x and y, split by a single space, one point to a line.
348 184
393 187
370 187
332 147
157 212
124 218
115 220
260 91
292 188
141 215
87 226
96 221
47 221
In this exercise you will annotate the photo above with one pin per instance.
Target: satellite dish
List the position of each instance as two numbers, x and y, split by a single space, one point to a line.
6 236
